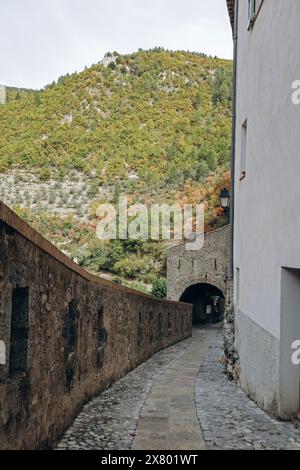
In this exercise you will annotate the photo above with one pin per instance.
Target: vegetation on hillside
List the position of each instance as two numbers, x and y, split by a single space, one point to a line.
154 125
162 115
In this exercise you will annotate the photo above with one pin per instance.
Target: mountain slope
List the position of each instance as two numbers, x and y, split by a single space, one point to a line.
154 125
151 114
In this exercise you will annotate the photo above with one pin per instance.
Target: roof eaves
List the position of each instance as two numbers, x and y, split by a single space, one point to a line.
230 6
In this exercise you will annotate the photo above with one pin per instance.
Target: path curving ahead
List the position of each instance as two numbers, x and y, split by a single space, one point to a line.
168 420
110 420
158 407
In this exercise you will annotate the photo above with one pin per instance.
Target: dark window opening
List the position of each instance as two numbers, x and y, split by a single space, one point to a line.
9 231
71 333
18 358
169 322
72 323
102 337
159 325
100 315
139 330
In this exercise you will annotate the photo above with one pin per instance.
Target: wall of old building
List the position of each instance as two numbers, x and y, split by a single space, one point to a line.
267 222
65 335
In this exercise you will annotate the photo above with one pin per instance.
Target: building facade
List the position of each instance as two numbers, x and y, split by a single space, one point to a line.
266 163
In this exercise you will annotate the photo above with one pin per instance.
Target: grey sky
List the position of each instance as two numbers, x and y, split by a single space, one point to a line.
43 39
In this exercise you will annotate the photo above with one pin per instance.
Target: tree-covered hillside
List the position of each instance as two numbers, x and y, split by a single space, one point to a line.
155 125
162 115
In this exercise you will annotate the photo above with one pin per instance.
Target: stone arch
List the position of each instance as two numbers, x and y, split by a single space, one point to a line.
208 302
208 265
211 280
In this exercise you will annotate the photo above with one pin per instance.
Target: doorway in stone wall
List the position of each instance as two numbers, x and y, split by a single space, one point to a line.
208 303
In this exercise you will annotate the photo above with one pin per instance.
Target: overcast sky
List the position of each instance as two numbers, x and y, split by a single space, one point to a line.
43 39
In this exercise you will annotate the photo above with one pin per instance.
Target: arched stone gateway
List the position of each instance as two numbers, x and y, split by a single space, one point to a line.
200 277
208 303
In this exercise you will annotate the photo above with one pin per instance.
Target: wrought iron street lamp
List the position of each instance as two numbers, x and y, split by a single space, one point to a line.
225 200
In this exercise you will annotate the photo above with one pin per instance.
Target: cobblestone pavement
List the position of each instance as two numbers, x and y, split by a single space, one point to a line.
229 420
168 419
110 420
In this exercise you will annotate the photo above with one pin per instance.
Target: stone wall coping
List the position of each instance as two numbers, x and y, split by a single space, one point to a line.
9 217
207 234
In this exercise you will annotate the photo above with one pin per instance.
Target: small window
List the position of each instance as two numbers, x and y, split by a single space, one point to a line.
251 13
243 150
19 332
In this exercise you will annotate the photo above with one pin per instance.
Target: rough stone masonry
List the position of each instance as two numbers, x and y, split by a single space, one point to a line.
66 335
206 266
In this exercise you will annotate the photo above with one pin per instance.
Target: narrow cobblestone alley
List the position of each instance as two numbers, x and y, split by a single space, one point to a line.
158 406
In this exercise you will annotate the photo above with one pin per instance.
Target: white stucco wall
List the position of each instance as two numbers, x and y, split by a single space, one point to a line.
267 204
267 201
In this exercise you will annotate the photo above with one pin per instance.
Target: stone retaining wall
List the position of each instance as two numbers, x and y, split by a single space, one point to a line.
66 335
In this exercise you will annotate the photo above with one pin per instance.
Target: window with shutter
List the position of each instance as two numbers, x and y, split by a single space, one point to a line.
251 13
254 7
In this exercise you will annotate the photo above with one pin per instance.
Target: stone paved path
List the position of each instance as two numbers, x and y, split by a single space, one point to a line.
110 420
168 420
156 407
229 420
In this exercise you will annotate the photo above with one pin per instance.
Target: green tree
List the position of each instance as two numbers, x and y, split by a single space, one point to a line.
159 288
